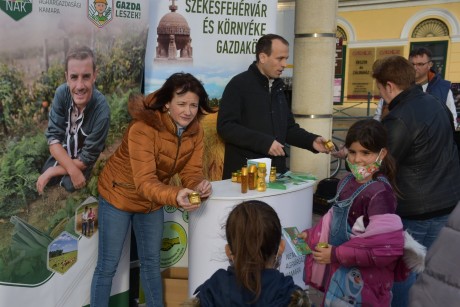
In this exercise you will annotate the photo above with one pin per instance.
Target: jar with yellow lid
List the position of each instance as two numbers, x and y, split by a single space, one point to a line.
272 177
329 146
238 176
194 198
261 173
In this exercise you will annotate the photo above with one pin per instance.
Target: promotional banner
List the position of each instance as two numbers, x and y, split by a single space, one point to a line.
214 41
48 246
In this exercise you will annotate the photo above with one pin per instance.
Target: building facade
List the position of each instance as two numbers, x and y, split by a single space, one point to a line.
371 29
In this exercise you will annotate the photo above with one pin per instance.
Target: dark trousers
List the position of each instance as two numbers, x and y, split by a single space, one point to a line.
65 180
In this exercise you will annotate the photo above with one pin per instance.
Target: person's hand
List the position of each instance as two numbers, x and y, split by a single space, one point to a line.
42 181
277 149
78 179
204 188
182 200
322 255
318 145
341 153
303 235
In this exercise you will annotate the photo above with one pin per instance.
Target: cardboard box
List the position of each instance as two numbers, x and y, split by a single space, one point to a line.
175 286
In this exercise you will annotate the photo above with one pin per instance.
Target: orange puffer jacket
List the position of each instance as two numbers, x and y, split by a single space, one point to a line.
136 177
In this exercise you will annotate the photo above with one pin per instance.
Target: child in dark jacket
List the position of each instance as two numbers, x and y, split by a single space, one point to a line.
361 237
254 250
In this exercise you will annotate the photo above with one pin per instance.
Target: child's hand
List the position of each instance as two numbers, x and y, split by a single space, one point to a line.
302 235
322 255
341 153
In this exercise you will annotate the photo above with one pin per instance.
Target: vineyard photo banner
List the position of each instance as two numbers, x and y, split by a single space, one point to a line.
48 247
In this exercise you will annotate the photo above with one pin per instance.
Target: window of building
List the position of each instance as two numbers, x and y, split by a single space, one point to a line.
432 29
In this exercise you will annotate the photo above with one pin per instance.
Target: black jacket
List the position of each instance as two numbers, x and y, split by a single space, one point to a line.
251 117
420 139
222 289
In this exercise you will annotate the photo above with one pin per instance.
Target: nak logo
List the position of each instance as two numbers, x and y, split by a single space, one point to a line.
16 9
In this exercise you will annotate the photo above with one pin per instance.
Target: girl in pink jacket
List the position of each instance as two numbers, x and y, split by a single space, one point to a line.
361 237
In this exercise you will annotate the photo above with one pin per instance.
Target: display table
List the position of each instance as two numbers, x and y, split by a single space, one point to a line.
207 234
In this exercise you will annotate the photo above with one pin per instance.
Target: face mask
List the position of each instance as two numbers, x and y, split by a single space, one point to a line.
363 172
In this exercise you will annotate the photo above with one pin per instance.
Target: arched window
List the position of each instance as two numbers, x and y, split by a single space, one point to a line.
341 34
430 28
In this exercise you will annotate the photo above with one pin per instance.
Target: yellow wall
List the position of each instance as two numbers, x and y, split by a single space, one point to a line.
453 68
380 24
376 26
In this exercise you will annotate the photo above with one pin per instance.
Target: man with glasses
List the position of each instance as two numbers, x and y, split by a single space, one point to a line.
434 84
430 81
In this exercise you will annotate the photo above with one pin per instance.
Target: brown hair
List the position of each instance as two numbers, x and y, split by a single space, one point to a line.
264 44
371 134
179 83
253 232
394 69
420 52
80 53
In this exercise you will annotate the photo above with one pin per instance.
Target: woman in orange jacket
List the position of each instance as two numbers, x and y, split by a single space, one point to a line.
164 138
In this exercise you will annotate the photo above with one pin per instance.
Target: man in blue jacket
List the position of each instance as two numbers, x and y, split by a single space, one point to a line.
254 118
78 124
431 81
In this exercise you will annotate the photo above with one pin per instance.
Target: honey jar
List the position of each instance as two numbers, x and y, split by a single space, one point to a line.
329 145
272 177
244 179
261 172
194 198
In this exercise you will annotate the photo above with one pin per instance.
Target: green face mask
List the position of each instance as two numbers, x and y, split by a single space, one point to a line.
363 172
